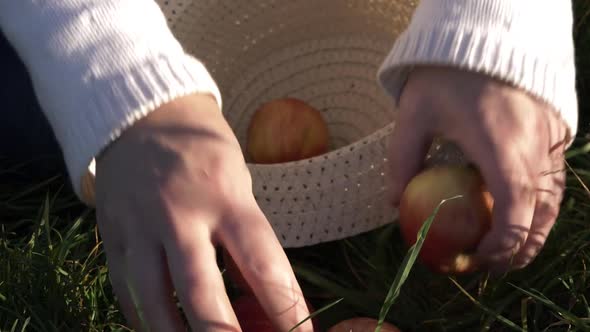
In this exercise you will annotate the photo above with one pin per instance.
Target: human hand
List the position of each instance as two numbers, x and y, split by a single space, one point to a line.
516 141
169 190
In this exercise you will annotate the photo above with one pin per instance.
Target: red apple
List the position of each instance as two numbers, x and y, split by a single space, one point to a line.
252 317
362 324
250 314
234 273
460 223
286 129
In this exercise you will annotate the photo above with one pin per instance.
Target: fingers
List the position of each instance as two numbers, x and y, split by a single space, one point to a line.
549 196
124 259
507 134
115 263
549 191
139 278
511 222
198 280
512 158
409 145
147 280
511 182
262 261
119 283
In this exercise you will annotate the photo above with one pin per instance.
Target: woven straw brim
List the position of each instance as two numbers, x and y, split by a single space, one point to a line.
327 53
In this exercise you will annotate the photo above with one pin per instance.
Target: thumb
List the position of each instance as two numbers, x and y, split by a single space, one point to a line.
410 142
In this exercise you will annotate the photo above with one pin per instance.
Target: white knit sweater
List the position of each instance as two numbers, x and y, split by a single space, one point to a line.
98 65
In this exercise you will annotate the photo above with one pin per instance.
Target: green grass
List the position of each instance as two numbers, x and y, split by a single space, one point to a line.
53 275
551 294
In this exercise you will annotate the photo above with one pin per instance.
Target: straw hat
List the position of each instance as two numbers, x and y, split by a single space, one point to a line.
327 53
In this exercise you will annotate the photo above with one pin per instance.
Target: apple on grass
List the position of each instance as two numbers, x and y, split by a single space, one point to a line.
252 317
234 273
247 308
362 324
286 129
460 223
250 314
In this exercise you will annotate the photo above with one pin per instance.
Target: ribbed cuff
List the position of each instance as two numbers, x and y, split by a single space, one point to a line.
526 43
97 67
120 101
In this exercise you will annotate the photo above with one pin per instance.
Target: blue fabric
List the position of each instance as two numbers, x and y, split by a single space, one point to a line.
25 134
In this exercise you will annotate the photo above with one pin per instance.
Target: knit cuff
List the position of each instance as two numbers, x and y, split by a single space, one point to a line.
500 38
118 102
97 67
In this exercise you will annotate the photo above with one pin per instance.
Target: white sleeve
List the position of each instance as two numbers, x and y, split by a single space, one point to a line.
528 43
97 66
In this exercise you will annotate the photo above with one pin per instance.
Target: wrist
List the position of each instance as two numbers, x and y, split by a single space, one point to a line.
196 113
192 116
194 109
473 35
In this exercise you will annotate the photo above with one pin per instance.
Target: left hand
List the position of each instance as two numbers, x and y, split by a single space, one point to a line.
516 141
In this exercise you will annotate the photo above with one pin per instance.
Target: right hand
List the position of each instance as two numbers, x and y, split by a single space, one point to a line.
169 190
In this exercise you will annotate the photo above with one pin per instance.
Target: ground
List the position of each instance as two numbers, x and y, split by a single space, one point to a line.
53 275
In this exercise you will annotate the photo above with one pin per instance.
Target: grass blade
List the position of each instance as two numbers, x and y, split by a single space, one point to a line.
361 300
489 311
578 152
317 312
561 311
406 266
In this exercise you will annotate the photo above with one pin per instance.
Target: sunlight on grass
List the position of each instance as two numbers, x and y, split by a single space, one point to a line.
315 313
428 302
54 277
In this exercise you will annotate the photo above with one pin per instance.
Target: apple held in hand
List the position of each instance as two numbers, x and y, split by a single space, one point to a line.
460 223
362 324
286 129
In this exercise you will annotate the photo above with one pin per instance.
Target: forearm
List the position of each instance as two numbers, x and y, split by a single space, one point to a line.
98 66
527 43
